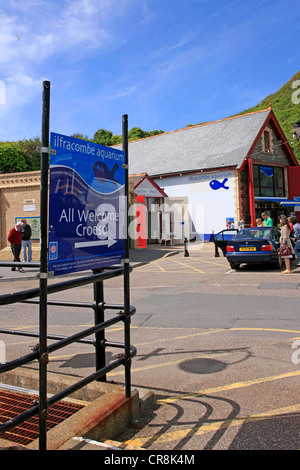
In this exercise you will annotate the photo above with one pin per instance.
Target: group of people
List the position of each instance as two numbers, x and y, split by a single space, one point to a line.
19 238
289 235
264 221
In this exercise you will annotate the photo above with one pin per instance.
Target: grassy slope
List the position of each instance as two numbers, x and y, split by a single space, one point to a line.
284 109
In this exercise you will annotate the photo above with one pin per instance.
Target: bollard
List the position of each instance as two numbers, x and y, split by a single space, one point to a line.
217 254
186 253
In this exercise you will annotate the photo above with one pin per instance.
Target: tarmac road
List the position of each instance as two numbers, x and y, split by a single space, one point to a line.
219 348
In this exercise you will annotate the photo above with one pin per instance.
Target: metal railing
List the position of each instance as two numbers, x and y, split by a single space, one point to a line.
42 352
100 343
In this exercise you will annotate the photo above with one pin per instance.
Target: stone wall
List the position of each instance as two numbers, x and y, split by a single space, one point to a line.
276 156
19 197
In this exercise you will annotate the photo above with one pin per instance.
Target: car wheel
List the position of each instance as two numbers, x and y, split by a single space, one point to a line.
279 262
234 265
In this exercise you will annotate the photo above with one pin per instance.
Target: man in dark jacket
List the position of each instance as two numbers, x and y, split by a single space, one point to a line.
26 241
15 239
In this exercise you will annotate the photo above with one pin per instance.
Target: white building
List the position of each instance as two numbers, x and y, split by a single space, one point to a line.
221 171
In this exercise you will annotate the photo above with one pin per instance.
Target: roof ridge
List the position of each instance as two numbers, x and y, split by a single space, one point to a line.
203 124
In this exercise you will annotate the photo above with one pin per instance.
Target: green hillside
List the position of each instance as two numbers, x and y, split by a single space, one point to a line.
286 106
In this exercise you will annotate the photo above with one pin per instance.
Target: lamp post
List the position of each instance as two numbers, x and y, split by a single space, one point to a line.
296 130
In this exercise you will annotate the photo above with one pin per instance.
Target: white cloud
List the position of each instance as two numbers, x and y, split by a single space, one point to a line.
34 32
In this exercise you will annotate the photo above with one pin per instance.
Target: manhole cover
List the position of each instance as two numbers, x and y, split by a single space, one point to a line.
14 403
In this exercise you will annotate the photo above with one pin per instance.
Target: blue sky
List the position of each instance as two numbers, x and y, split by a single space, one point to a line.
165 63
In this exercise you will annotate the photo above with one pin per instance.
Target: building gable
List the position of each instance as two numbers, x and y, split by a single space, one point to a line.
220 144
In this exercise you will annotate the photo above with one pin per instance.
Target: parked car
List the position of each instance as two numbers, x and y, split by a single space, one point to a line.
257 245
220 240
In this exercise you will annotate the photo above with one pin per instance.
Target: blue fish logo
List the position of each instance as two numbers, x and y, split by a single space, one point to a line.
215 184
267 170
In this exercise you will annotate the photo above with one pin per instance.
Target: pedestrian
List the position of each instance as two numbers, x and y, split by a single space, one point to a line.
268 222
26 241
241 224
259 222
15 239
285 241
290 219
296 237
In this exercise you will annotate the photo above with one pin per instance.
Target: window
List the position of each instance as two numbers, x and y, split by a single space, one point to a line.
267 141
268 181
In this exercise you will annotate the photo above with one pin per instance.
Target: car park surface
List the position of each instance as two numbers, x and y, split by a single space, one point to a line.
217 347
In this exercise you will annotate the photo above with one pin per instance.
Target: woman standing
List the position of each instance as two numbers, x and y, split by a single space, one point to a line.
286 241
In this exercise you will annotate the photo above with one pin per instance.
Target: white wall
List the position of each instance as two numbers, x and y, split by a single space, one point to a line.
209 203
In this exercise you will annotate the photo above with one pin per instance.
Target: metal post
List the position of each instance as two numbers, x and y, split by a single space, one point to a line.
186 252
99 318
126 264
43 352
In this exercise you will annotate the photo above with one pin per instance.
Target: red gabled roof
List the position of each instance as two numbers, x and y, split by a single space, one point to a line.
153 184
271 119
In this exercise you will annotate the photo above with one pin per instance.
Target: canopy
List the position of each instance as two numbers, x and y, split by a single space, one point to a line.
280 200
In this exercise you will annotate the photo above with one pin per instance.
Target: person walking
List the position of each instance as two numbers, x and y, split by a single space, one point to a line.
15 239
26 241
286 241
241 224
268 222
296 237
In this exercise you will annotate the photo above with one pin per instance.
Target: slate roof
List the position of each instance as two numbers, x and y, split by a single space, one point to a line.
218 144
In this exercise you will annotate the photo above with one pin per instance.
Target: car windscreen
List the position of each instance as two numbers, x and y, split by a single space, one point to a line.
225 235
255 234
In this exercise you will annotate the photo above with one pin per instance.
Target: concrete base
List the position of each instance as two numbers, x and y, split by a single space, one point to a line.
105 415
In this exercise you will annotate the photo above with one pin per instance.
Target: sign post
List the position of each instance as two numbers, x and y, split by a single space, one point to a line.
43 349
86 205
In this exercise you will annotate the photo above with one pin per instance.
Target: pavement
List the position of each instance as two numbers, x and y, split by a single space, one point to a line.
137 257
214 346
30 272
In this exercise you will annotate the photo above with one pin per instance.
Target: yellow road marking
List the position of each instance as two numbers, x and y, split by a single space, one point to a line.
169 271
210 262
212 427
175 338
233 386
171 363
264 329
20 327
167 260
186 265
156 263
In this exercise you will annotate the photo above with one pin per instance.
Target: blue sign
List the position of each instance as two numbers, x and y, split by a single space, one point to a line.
86 205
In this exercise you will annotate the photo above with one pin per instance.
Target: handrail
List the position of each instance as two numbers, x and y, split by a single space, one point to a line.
7 299
27 296
8 425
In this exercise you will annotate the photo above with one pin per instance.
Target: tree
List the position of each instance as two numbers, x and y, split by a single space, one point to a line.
77 135
32 155
102 137
12 158
105 137
136 133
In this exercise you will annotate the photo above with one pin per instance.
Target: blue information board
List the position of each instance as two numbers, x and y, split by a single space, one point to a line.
86 205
